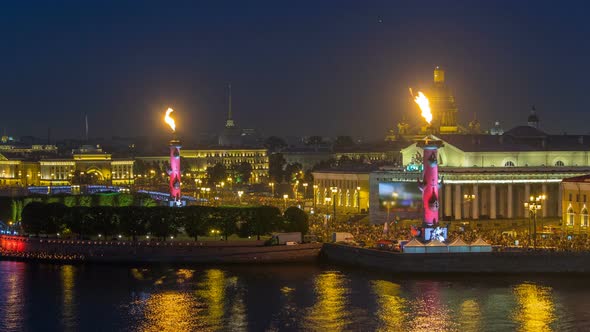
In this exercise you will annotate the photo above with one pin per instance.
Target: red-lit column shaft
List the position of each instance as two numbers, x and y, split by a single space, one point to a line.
175 171
430 180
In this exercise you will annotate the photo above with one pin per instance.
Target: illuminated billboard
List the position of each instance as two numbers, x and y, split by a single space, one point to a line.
404 199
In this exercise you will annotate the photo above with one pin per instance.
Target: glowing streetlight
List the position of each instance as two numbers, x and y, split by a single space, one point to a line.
534 205
272 188
285 197
240 193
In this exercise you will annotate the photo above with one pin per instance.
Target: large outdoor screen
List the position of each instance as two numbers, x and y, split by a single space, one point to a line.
403 198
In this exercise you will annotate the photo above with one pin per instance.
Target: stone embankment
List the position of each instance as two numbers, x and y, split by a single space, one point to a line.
213 252
490 262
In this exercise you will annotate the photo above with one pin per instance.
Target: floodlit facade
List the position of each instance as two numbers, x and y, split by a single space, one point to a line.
574 205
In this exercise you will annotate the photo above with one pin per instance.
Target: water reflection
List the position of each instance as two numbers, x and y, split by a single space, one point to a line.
429 312
330 310
391 306
67 274
170 311
469 316
12 287
535 310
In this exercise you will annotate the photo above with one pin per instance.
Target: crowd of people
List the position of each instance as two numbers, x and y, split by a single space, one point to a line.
369 234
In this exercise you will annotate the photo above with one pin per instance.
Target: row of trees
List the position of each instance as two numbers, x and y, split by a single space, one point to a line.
135 221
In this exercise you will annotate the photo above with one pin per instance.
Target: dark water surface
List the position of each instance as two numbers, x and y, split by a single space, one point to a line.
44 297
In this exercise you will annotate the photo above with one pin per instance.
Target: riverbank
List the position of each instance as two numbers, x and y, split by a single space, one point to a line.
213 252
490 262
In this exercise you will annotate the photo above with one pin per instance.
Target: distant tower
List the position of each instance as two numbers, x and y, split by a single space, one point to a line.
86 131
533 119
443 104
474 126
229 123
497 129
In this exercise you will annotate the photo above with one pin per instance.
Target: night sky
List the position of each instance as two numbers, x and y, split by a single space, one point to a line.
296 67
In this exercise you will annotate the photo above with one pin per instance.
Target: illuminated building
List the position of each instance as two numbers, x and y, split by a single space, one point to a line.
574 205
198 160
352 188
444 109
88 162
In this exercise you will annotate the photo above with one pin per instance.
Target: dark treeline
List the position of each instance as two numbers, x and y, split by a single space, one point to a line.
160 222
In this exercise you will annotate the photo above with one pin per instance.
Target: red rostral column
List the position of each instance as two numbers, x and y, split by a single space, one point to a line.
429 184
174 171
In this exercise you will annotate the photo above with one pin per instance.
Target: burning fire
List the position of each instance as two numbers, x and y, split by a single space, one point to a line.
422 101
170 121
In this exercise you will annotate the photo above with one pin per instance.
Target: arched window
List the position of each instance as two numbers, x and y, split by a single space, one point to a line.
559 163
570 216
584 217
509 163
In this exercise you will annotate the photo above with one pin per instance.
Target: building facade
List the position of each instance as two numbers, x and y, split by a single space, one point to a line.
349 189
574 205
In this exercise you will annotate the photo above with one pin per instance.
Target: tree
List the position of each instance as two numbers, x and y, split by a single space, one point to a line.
243 172
275 144
276 163
55 213
133 221
296 220
293 172
216 174
261 221
33 216
196 221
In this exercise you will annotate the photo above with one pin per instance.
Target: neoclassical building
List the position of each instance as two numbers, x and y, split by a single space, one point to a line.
492 176
574 205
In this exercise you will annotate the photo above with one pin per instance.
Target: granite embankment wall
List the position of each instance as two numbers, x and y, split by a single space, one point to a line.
156 252
492 262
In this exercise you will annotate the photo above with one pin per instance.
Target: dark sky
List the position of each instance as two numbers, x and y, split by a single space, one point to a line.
296 67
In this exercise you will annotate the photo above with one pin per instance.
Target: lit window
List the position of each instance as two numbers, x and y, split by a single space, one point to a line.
584 217
559 163
509 164
570 216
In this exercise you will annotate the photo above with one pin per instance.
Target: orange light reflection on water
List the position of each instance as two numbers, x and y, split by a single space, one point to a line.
535 307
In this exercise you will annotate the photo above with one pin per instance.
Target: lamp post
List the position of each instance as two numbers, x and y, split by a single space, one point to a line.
468 198
534 205
388 205
334 191
315 189
285 197
272 188
240 193
305 190
358 199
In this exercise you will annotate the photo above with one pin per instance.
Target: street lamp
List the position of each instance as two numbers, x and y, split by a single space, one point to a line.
315 189
305 190
285 196
240 193
388 205
534 205
358 199
468 198
334 191
272 188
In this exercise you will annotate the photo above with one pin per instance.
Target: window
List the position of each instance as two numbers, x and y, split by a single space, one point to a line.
570 216
584 217
570 197
509 164
559 163
584 198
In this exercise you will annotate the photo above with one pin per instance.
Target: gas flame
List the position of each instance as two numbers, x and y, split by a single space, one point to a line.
424 104
169 120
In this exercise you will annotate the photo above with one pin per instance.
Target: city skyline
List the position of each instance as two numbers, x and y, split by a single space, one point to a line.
318 65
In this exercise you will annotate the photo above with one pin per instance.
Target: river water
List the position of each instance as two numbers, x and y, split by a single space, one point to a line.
45 297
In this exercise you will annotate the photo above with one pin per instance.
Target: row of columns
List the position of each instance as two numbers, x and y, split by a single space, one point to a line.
494 200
